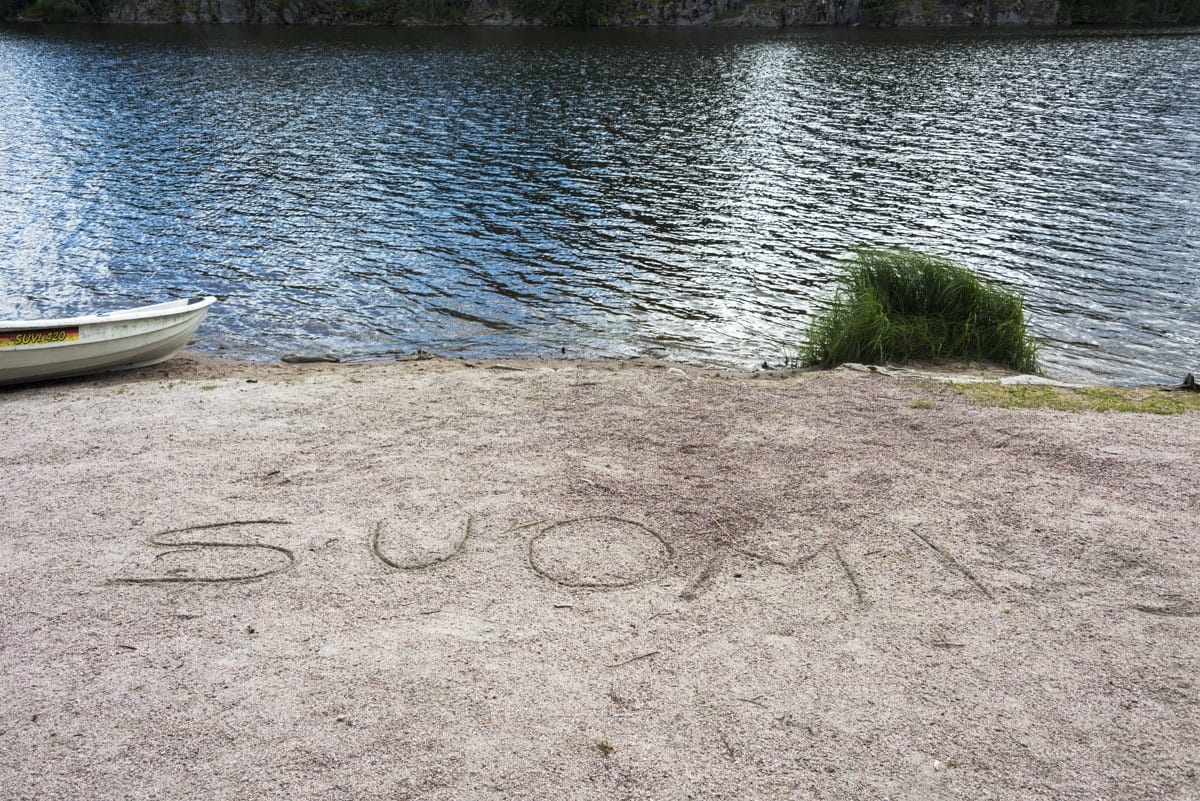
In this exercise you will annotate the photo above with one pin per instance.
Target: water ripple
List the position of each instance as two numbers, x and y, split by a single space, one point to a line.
685 194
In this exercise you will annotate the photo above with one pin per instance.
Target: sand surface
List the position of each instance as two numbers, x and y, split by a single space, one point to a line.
439 580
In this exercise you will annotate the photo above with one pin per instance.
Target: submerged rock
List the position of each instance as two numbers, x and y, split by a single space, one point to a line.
308 358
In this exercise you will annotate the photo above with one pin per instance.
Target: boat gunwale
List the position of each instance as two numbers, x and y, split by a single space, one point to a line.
169 308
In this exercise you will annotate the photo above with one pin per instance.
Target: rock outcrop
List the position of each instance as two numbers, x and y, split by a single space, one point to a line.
739 13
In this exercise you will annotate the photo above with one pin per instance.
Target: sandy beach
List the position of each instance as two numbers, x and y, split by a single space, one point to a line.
589 580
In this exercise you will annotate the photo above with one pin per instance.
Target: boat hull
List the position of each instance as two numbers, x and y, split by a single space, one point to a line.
39 350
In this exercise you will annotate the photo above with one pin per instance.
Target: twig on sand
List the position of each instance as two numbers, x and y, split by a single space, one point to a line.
633 659
520 526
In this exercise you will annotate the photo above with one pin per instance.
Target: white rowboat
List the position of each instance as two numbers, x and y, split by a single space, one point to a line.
36 350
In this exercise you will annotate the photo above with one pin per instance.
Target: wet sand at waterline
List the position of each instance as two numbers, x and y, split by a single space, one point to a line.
449 580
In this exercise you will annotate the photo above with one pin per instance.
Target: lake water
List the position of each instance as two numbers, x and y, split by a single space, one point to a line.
684 194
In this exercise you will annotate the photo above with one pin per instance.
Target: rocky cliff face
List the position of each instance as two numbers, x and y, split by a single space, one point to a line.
912 13
789 13
190 11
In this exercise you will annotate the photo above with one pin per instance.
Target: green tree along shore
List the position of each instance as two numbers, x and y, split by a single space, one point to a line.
767 13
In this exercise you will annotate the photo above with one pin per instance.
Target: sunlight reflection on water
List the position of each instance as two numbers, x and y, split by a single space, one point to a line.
682 194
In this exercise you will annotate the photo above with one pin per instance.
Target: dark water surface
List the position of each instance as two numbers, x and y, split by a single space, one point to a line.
684 194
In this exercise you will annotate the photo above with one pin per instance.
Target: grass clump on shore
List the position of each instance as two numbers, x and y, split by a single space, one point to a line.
1145 400
895 306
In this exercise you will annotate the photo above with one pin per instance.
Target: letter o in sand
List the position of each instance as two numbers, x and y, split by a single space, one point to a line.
598 552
